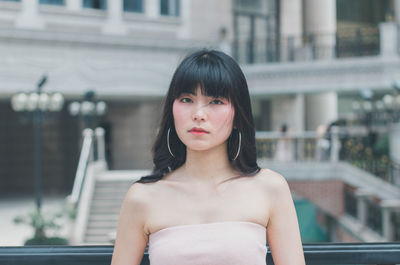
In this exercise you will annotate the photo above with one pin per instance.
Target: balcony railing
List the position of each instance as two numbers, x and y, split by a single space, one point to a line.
360 253
302 146
339 143
257 40
308 47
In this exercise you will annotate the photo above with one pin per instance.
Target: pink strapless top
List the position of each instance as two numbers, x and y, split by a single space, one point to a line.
221 243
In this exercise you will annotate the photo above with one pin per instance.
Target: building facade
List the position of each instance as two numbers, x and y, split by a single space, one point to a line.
293 53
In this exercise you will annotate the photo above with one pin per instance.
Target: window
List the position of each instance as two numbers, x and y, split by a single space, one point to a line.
249 5
96 4
133 5
52 2
169 7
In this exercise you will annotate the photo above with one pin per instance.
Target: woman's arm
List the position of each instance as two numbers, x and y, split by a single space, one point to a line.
283 229
131 238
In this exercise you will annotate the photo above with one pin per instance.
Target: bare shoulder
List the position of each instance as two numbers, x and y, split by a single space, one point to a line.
148 193
138 194
139 197
138 201
271 178
272 181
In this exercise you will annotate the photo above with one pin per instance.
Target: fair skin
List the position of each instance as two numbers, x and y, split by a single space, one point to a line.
206 189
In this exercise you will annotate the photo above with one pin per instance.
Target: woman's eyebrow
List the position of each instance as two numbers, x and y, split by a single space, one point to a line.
187 94
219 97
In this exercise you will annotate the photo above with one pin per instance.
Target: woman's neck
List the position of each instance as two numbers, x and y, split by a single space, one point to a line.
211 166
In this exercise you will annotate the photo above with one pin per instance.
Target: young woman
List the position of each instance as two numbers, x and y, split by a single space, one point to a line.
207 201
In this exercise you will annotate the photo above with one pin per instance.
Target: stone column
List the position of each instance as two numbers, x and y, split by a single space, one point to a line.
74 5
101 146
321 109
387 207
290 29
397 11
335 144
394 149
152 8
29 16
394 139
361 196
388 39
185 16
299 112
320 26
288 110
114 23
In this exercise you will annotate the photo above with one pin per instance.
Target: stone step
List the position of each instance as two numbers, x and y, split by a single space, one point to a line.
96 209
108 196
94 219
111 188
98 231
102 224
103 217
104 199
109 193
110 208
108 184
106 204
116 193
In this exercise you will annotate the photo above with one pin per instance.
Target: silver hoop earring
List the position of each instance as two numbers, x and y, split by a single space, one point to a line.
240 143
169 148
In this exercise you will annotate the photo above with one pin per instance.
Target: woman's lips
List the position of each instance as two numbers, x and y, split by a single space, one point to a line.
198 131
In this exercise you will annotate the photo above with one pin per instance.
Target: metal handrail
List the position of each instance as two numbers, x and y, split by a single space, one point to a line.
289 135
327 253
84 159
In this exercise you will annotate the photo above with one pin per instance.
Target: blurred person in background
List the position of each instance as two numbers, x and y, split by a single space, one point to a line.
284 146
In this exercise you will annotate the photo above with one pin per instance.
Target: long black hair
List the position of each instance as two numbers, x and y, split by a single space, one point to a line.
218 75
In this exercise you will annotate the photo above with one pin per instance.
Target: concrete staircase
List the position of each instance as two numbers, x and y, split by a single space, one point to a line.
109 191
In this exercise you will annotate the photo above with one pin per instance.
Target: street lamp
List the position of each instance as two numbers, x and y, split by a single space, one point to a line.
36 103
88 108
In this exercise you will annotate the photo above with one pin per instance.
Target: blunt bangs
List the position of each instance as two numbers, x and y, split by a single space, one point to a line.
207 72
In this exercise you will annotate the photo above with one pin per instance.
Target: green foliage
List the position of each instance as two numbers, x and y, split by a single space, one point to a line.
42 223
70 211
373 159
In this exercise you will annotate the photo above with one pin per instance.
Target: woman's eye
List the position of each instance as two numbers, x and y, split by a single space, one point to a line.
217 102
185 100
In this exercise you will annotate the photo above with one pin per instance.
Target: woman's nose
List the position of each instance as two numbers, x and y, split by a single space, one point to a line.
199 113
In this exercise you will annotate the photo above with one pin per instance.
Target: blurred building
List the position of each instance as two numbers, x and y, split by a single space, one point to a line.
305 62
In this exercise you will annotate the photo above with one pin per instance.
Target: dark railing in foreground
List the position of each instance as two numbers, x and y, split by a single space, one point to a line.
329 253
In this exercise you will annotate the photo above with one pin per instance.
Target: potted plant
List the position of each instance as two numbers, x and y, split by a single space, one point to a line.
42 223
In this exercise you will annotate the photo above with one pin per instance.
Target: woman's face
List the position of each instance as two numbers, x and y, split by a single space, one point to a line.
202 122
